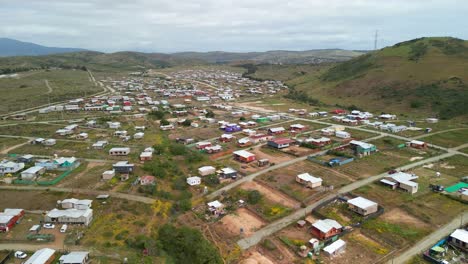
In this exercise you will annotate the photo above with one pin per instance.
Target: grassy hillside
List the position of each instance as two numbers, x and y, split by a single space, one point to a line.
426 76
30 89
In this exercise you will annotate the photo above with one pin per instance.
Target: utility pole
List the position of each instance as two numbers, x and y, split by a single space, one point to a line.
375 39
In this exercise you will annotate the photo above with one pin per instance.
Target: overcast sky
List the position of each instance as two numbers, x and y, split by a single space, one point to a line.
237 25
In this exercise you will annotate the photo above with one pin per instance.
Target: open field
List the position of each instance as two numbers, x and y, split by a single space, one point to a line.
241 219
30 89
449 139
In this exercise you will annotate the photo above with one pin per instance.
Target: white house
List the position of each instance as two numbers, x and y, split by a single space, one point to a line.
75 257
342 134
309 180
7 166
69 216
362 206
108 175
192 181
335 248
32 172
119 151
42 256
206 170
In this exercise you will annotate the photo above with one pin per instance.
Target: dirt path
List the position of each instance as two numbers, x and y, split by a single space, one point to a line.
5 151
50 90
271 194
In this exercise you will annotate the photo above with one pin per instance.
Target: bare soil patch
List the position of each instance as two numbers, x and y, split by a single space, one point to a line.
396 215
256 258
271 194
244 219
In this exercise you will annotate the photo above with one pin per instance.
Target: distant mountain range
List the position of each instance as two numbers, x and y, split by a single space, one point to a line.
12 47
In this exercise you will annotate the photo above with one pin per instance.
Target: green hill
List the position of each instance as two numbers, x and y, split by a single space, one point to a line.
427 76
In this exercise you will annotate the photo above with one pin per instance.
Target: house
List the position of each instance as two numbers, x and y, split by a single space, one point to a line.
213 149
114 125
327 228
338 112
42 256
120 133
227 173
26 158
75 257
263 162
403 181
49 142
167 127
144 156
276 130
244 156
9 218
48 164
226 138
362 206
123 167
82 135
280 143
309 180
10 167
195 180
108 175
327 131
342 134
258 138
138 135
206 170
362 148
101 144
335 248
230 128
297 127
66 163
119 151
203 144
76 204
244 142
147 180
69 216
64 132
216 207
32 173
320 142
417 144
459 238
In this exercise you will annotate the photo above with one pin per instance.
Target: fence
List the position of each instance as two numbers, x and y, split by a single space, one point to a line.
44 183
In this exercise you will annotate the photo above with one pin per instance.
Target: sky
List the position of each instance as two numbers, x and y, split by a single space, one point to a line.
221 25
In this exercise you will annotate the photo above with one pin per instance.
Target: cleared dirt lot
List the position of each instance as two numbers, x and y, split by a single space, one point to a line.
244 219
271 194
396 215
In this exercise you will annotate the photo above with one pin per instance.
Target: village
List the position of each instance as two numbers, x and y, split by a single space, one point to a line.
267 180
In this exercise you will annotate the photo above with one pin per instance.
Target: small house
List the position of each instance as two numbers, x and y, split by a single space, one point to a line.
49 142
362 148
75 257
459 239
123 167
280 143
82 136
108 175
167 127
319 142
206 170
342 134
215 207
147 180
69 216
327 228
297 127
203 145
138 135
309 180
418 144
195 180
226 138
258 138
244 156
26 158
227 173
335 248
119 151
101 144
213 149
42 256
144 156
402 180
10 167
362 206
32 173
276 130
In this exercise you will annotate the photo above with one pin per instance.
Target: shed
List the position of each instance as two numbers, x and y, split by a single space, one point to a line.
362 206
335 248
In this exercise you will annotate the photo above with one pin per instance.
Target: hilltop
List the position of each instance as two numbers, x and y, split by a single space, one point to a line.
12 47
426 75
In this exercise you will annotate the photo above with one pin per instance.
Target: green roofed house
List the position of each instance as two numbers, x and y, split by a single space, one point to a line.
262 119
363 148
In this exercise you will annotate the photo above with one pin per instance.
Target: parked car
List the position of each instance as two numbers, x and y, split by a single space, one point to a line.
20 255
49 226
63 229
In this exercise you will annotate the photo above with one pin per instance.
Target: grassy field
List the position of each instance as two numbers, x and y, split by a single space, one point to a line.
6 143
449 139
30 89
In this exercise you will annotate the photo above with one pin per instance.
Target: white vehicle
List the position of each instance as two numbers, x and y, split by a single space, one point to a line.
49 226
63 229
20 255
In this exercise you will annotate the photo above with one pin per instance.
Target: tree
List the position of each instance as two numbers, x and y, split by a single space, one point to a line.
253 197
187 122
177 149
158 115
210 114
187 245
164 122
242 118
